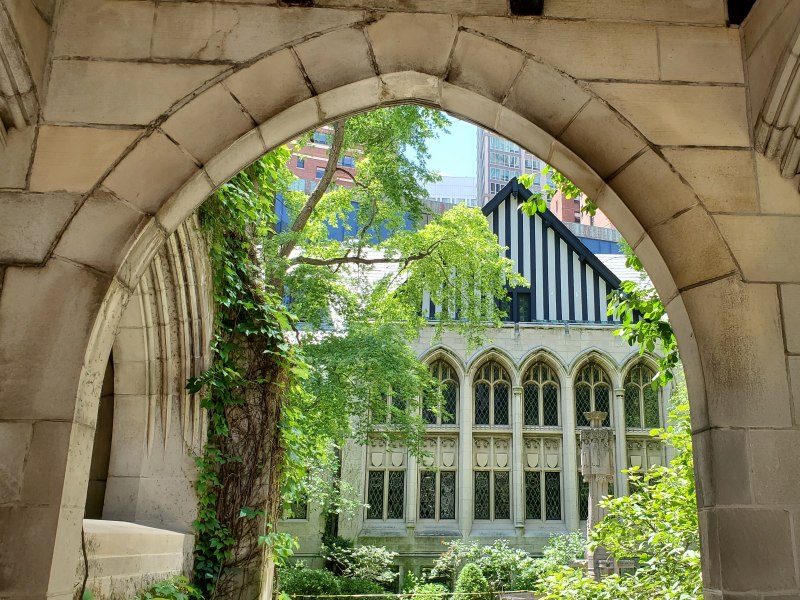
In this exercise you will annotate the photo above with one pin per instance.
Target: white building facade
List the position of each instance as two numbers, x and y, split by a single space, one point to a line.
502 459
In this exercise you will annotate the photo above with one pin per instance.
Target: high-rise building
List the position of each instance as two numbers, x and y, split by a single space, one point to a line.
500 160
449 192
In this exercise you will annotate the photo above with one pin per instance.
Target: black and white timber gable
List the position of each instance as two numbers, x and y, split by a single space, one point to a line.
568 283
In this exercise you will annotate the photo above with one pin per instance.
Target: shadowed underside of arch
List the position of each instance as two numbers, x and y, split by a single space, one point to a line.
630 107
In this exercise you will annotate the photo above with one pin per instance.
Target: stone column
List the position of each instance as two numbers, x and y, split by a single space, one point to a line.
465 481
517 452
571 513
621 457
412 483
598 470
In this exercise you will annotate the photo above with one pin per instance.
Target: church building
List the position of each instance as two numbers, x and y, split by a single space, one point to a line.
503 463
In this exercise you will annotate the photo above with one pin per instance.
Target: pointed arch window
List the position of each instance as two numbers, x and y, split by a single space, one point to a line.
540 396
641 400
492 395
592 393
448 409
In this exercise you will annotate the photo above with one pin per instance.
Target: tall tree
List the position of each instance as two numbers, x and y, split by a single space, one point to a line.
288 388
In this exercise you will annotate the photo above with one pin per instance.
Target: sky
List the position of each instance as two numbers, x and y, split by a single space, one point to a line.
455 153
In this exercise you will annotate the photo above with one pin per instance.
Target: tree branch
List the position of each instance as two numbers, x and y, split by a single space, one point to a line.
308 208
359 260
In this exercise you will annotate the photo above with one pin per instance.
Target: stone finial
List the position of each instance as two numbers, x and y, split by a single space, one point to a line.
595 417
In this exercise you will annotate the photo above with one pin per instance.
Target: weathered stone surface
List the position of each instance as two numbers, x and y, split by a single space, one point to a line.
652 190
94 27
150 173
606 50
574 167
256 89
202 30
15 439
776 194
601 138
483 66
473 106
521 131
23 564
464 7
711 12
36 345
30 224
790 313
772 566
732 322
350 99
203 139
410 85
722 179
73 158
752 240
183 202
775 465
15 157
546 97
656 268
119 92
101 211
692 247
700 54
33 33
404 42
335 59
228 162
38 488
682 115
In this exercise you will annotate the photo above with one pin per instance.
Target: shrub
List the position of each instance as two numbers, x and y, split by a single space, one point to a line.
499 563
307 582
429 591
472 582
367 562
359 585
174 588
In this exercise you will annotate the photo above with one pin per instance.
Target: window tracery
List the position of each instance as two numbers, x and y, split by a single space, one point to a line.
448 408
542 464
492 395
540 396
492 478
592 393
385 480
641 400
437 479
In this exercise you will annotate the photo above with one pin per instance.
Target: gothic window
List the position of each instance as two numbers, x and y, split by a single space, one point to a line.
641 400
447 410
297 510
394 406
540 396
492 395
542 463
492 478
437 478
386 480
592 393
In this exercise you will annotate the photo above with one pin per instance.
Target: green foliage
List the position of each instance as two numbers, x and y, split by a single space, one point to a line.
552 181
472 583
300 581
560 550
364 562
359 585
175 588
429 591
656 525
498 562
651 331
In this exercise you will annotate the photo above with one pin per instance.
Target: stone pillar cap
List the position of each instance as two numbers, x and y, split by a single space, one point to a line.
595 417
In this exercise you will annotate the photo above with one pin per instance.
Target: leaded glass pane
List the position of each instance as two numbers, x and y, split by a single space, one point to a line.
375 495
531 404
533 495
427 495
583 499
299 510
450 403
601 401
447 495
632 416
482 404
501 404
651 417
552 496
582 404
550 404
399 403
428 415
502 495
481 494
394 503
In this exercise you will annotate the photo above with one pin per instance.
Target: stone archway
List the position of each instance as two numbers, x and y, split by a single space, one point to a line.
135 135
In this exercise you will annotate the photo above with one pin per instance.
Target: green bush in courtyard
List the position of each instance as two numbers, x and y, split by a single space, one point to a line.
429 591
472 583
295 581
174 588
358 585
